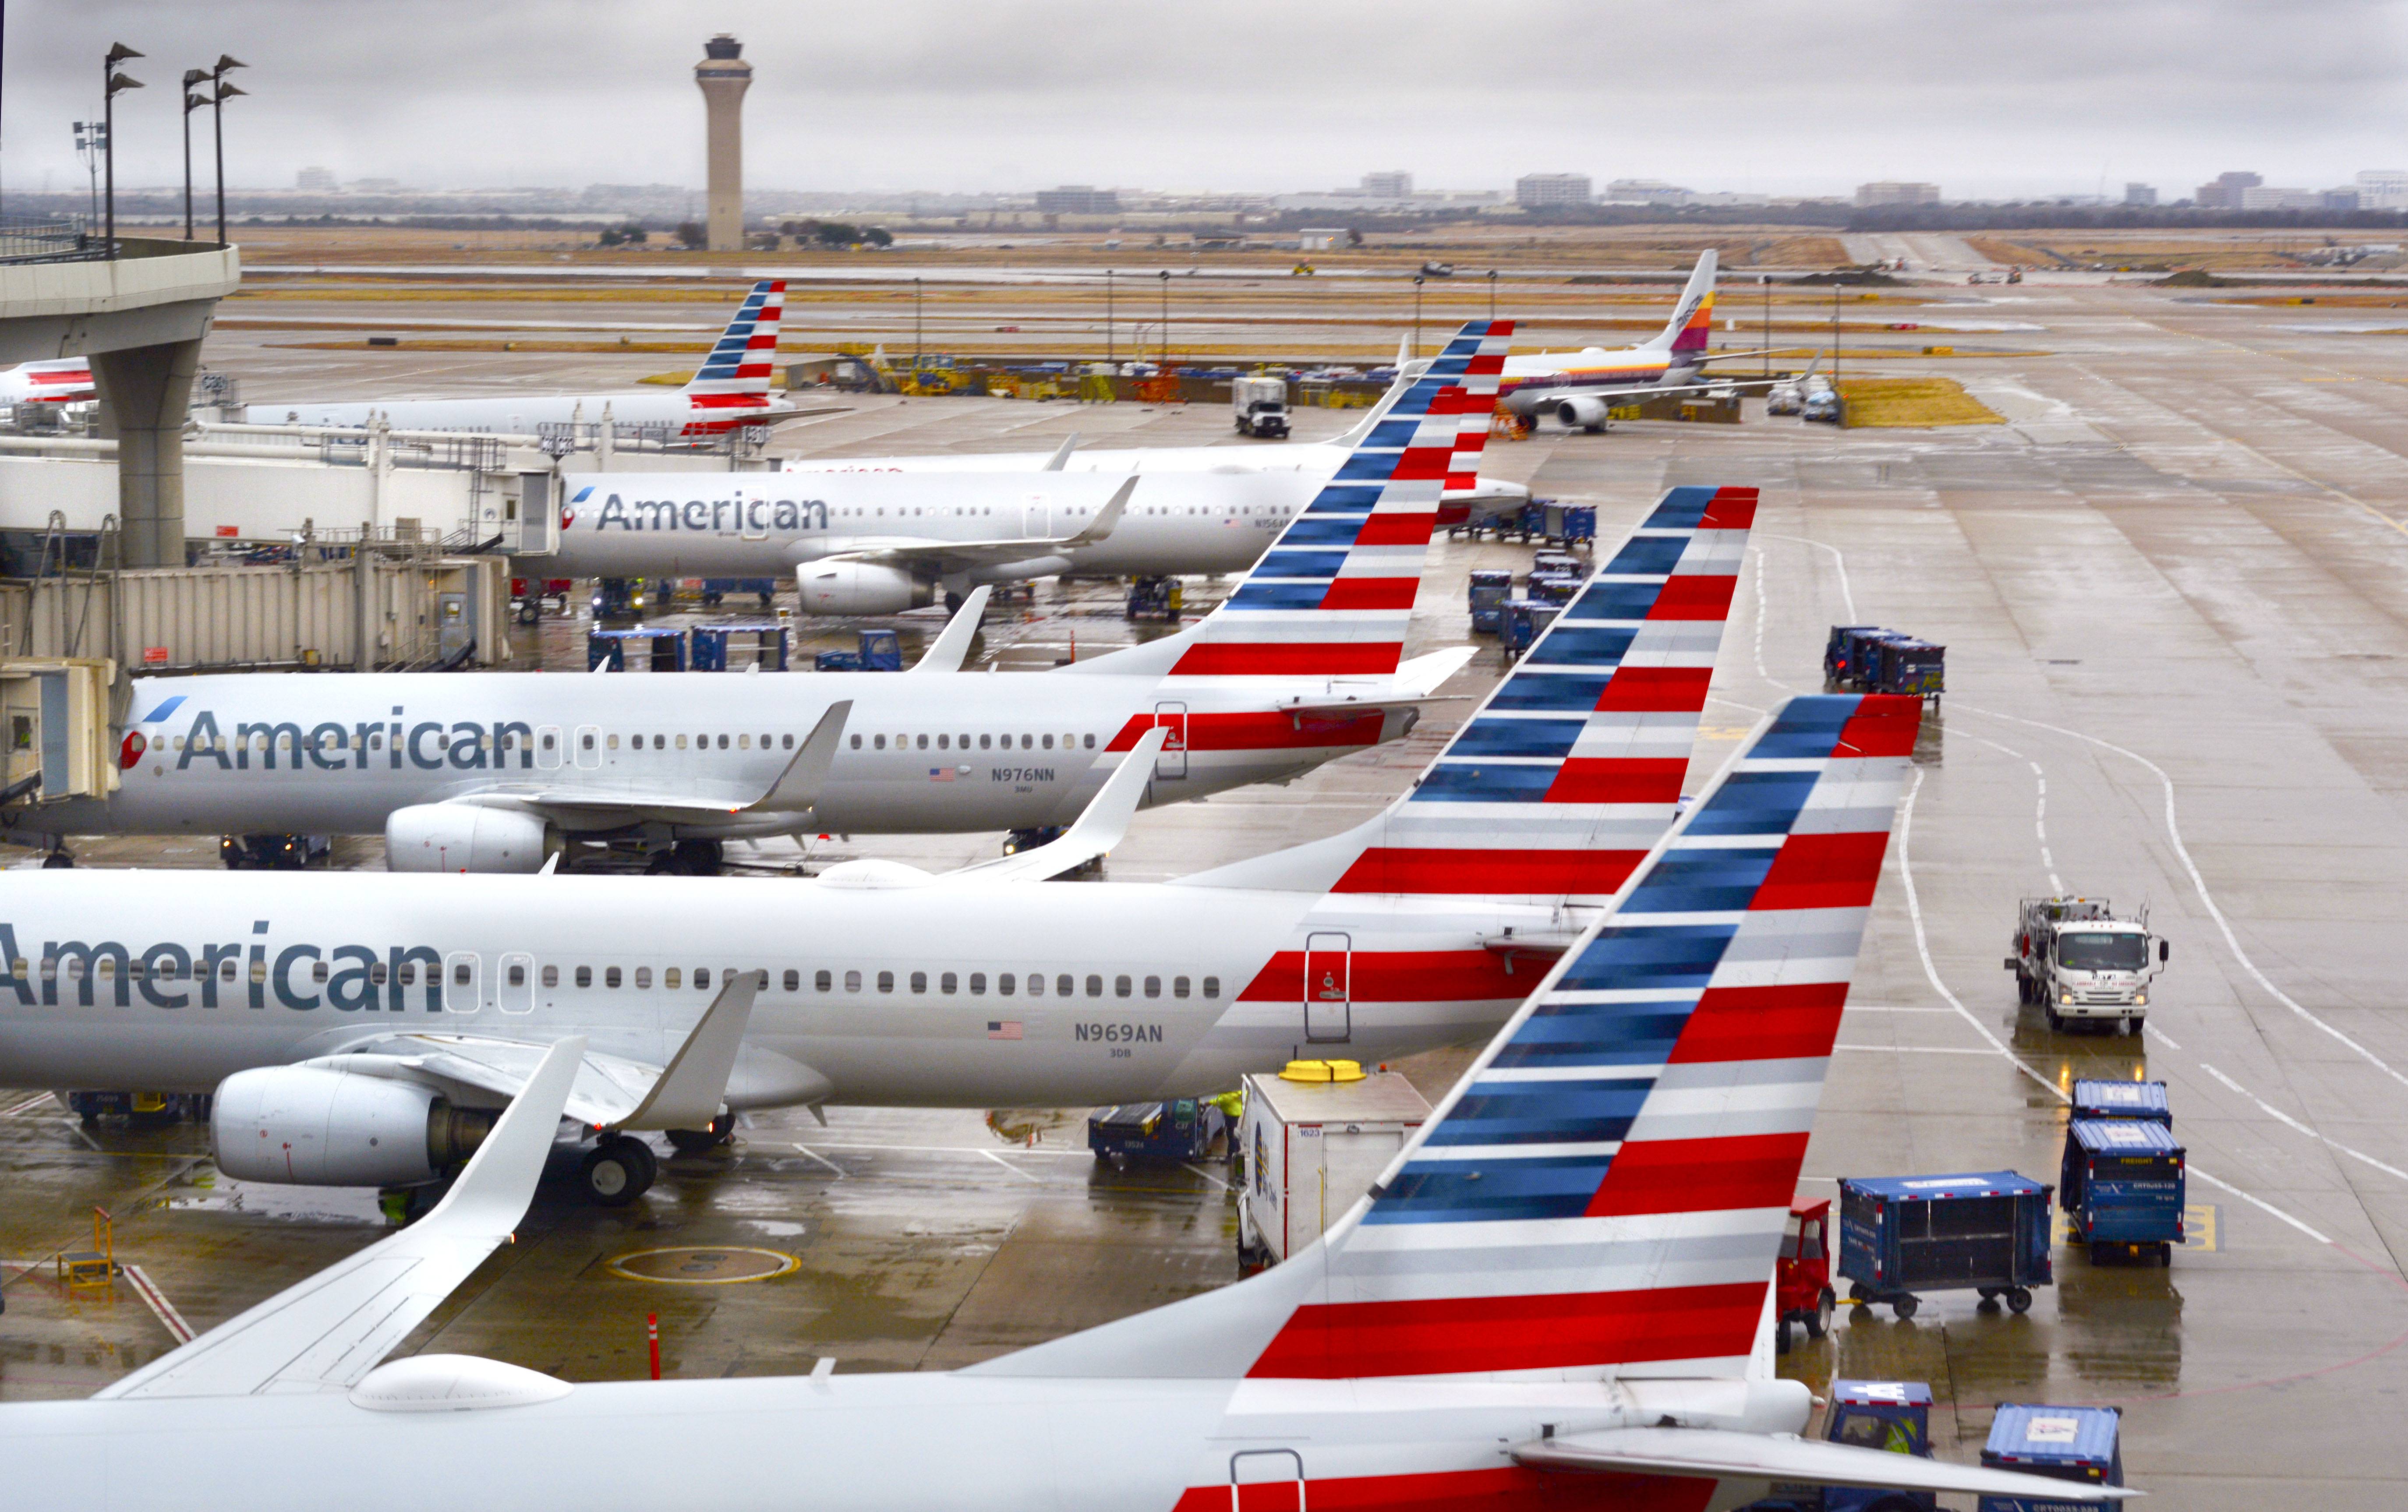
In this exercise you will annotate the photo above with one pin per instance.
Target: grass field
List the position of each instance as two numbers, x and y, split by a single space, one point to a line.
1913 402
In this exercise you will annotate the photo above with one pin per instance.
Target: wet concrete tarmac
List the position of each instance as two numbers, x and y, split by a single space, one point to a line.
2171 588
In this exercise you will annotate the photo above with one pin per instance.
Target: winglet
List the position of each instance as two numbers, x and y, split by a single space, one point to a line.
951 646
1107 516
1061 459
1099 828
799 787
326 1332
688 1094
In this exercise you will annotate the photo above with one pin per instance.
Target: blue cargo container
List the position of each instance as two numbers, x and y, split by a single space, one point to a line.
710 644
1490 588
1902 664
1526 621
882 651
1835 651
2073 1443
1179 1130
666 648
1557 588
1985 1230
2121 1187
2123 1100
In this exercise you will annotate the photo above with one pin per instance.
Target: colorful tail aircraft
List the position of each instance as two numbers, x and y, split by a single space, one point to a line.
1557 1294
1420 928
494 772
731 388
1579 388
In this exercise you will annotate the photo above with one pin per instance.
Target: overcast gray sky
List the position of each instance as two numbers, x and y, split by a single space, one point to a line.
2012 96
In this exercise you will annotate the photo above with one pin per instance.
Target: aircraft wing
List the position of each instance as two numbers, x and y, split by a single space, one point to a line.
969 556
1727 1455
327 1332
952 646
796 788
1099 828
606 1092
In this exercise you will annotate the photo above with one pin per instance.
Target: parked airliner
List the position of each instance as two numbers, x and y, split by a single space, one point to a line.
493 771
731 388
884 984
63 381
1557 1293
1578 388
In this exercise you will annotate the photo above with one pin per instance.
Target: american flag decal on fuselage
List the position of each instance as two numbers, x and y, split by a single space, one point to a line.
1605 1191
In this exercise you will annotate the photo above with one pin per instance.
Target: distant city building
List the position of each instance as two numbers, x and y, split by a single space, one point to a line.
1543 190
1394 185
317 181
2382 188
1894 192
2140 195
2345 198
1078 199
375 186
2225 194
1644 192
2276 197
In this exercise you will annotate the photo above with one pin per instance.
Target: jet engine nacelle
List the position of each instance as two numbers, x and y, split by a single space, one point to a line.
463 837
860 588
1582 411
313 1127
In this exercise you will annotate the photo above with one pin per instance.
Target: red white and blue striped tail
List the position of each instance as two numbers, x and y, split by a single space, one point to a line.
1572 768
1603 1193
1333 594
737 372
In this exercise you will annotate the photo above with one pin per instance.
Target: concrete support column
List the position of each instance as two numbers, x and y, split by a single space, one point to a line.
146 395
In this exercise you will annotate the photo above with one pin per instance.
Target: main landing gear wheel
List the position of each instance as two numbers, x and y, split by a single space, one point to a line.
697 858
702 1141
56 861
620 1170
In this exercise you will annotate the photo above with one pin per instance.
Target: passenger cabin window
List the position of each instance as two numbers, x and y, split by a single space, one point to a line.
794 980
1036 984
550 976
515 975
702 976
822 982
1179 986
669 978
949 983
978 982
644 976
1063 986
853 981
584 976
1120 986
1154 987
886 981
1003 984
1096 986
609 976
1211 986
919 981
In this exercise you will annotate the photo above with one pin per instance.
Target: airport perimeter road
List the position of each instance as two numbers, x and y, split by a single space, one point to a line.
2172 593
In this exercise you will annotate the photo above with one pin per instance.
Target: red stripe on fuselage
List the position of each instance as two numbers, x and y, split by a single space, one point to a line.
1511 1488
1449 1336
1263 730
1402 976
1288 659
1488 873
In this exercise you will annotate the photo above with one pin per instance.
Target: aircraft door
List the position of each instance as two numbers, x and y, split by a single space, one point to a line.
1172 762
547 748
463 983
1037 516
1267 1480
589 747
1328 988
753 508
516 991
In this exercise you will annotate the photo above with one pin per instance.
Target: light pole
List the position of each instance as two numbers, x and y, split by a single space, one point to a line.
192 103
1110 360
217 121
1492 294
918 330
112 82
1417 317
1164 277
92 140
1765 280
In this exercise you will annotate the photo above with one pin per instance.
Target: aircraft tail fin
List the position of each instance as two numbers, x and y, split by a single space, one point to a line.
737 372
1560 781
1687 332
1603 1192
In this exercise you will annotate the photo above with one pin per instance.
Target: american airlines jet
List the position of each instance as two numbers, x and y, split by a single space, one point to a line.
1556 1294
331 1012
495 771
731 388
64 381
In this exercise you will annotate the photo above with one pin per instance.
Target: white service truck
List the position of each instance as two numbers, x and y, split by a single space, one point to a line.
1313 1140
2082 964
1259 406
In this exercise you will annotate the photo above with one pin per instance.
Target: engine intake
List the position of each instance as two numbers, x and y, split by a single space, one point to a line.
463 837
1580 411
860 588
310 1126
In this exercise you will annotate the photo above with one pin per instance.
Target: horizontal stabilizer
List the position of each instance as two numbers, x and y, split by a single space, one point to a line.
1727 1455
1105 820
327 1332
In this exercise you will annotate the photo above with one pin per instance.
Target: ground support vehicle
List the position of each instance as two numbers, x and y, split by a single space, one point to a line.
1802 1277
664 650
1891 1415
529 595
2080 963
880 650
1490 588
716 589
2079 1445
1869 659
620 598
1259 406
1182 1129
1163 596
2121 1185
1526 621
1987 1232
145 1108
1314 1139
772 642
272 852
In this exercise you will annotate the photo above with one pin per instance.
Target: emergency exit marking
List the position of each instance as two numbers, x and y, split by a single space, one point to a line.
2202 1227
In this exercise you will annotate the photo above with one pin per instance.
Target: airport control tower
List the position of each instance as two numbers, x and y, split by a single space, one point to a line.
724 75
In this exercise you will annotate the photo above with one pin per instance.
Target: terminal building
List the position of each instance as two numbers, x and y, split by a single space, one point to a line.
1545 191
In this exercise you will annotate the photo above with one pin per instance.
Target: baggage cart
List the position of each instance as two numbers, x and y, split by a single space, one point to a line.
1894 1417
1558 562
1490 588
1556 588
2121 1186
1916 669
1526 621
2080 1444
1836 649
1985 1231
2123 1100
664 650
1181 1128
711 645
